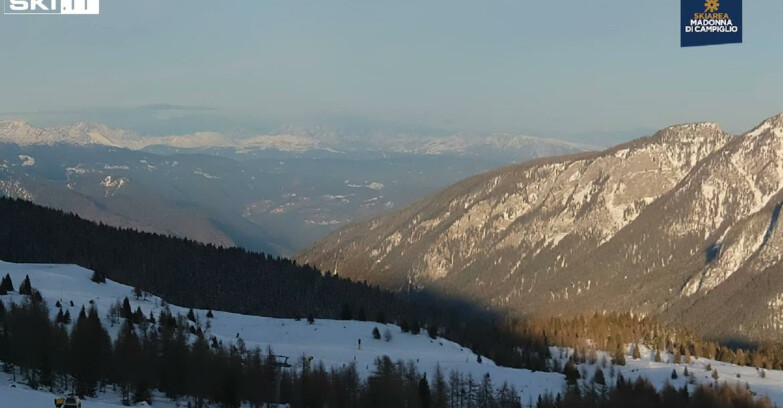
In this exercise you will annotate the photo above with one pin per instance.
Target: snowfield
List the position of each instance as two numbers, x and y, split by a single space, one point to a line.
335 343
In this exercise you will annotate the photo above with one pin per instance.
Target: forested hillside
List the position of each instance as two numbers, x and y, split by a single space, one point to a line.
232 279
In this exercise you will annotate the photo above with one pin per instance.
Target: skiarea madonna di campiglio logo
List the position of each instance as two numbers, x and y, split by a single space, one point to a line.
710 22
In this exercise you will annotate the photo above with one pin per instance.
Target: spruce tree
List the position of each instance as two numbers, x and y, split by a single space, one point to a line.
415 327
432 331
98 277
26 288
6 284
376 334
598 377
619 356
571 373
636 353
127 312
425 396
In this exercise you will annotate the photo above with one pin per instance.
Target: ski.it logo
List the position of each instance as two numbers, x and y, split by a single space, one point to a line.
51 7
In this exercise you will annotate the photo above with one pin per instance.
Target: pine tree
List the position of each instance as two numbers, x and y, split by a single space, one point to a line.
432 331
26 288
619 356
674 374
376 334
192 316
210 315
310 318
127 312
138 316
440 389
404 327
98 277
598 377
425 397
415 327
636 353
657 356
6 285
715 375
571 373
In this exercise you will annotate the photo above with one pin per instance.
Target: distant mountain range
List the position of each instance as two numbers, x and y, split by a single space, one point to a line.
683 225
499 147
273 193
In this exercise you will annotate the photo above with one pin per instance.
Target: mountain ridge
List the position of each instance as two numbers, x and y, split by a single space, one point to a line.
285 140
655 226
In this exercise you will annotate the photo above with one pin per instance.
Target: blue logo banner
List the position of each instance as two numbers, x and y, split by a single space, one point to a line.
710 22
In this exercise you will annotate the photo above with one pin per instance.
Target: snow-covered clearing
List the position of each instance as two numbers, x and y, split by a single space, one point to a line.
335 343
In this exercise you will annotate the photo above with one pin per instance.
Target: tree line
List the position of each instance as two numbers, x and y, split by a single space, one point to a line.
172 354
204 276
612 332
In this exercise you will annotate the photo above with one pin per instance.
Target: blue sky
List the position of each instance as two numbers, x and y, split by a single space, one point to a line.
572 69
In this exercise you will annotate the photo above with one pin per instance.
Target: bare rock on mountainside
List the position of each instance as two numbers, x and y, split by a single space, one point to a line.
682 225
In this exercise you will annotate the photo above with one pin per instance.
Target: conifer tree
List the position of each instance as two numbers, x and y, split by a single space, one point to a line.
619 356
415 327
636 353
440 389
127 312
376 334
598 377
26 288
425 397
6 284
432 331
98 277
571 373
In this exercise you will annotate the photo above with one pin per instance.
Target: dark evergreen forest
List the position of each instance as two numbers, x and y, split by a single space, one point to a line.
191 274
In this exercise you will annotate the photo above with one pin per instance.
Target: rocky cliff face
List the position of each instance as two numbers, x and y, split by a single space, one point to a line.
682 224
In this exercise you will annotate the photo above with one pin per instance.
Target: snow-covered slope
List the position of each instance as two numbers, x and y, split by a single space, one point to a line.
332 342
335 344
